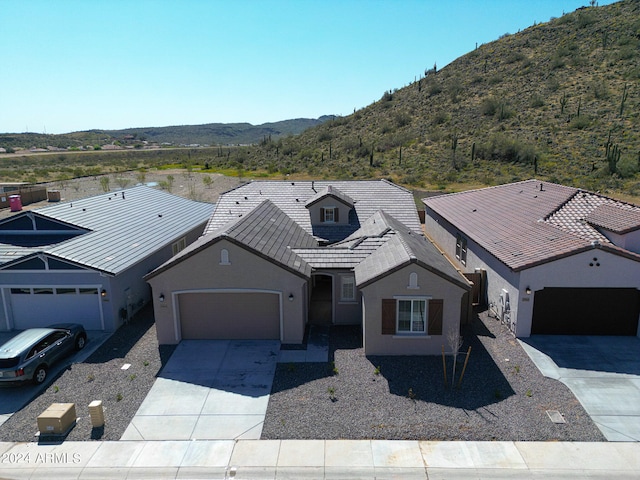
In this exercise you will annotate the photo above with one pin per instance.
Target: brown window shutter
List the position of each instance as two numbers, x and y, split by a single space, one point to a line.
388 316
322 214
336 217
436 307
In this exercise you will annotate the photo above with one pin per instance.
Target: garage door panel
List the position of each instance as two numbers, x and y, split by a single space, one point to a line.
230 316
33 310
586 311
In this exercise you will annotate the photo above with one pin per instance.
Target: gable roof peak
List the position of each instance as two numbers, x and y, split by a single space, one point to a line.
330 191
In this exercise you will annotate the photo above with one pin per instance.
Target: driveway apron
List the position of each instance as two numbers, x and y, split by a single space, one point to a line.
209 390
602 372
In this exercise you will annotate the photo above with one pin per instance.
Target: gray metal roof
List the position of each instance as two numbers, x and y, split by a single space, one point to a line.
124 227
368 196
266 230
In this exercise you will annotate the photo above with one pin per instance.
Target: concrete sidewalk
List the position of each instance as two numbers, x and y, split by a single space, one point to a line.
320 459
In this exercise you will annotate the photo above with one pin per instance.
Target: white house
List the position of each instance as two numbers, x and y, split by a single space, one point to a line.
554 259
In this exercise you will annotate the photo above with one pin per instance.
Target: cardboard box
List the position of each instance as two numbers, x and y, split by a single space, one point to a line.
57 419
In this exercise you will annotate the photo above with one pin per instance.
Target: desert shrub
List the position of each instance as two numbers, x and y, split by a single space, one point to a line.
489 106
586 18
536 101
515 57
627 166
599 89
386 128
557 62
505 111
503 148
324 136
627 52
433 88
440 117
402 119
579 122
455 89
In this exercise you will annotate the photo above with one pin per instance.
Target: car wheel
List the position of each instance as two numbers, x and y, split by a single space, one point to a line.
40 375
81 341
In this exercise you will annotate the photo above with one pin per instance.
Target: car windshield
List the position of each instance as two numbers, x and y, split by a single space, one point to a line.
9 362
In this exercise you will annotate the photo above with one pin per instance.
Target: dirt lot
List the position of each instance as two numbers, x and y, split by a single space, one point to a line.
185 184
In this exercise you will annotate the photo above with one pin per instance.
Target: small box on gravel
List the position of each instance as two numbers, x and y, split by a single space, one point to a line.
57 419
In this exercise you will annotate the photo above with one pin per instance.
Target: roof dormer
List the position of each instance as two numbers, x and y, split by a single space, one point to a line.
329 206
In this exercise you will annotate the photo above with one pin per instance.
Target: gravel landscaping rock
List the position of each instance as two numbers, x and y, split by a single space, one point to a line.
100 377
502 397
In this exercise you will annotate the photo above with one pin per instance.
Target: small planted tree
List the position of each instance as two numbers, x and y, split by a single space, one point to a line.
454 340
104 183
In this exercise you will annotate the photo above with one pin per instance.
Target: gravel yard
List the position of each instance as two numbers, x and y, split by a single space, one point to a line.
100 377
503 396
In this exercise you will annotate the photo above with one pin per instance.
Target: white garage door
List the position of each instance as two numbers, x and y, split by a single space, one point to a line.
226 315
39 307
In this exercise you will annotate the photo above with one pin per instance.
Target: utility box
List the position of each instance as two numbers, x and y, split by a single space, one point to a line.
57 419
15 203
96 413
53 195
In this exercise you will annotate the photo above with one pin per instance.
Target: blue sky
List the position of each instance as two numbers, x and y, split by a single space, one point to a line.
108 64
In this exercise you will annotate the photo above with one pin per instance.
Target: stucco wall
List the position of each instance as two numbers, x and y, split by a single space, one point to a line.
246 271
395 285
498 275
629 241
314 211
579 271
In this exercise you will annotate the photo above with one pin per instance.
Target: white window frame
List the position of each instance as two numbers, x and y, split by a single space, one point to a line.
413 281
461 248
179 245
326 214
425 315
348 288
224 257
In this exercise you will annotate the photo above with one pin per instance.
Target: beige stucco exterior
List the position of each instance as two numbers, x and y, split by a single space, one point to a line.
329 202
207 271
396 285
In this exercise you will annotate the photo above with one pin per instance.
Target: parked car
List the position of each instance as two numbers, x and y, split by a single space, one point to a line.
30 354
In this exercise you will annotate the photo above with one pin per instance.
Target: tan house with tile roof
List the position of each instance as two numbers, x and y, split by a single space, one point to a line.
277 256
555 259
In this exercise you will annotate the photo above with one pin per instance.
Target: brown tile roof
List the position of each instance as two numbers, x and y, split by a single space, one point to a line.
528 223
617 219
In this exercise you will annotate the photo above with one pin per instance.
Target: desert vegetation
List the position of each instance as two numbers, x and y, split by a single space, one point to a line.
558 101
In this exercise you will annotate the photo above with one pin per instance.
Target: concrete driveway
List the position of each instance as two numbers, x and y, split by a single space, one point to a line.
602 372
209 390
15 396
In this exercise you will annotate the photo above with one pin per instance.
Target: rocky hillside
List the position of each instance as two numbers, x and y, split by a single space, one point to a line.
558 101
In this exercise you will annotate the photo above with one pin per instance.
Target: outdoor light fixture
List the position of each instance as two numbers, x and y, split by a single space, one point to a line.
103 294
527 290
291 297
161 297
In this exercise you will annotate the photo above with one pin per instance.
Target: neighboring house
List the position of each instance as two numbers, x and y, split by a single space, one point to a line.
555 259
276 256
84 261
